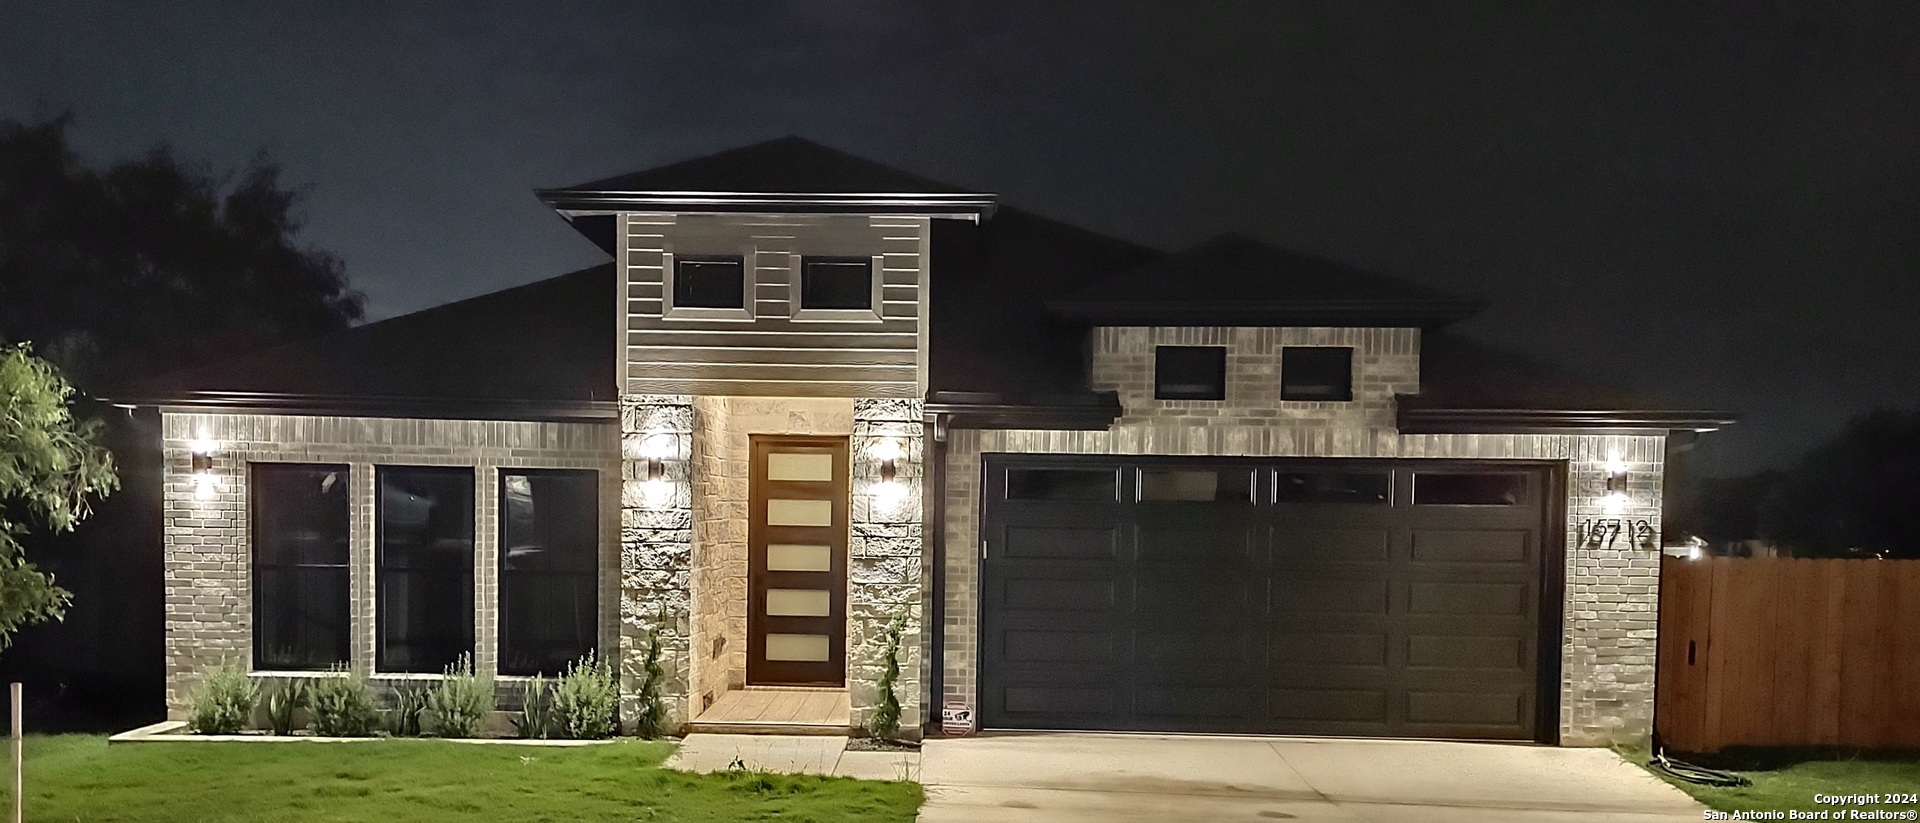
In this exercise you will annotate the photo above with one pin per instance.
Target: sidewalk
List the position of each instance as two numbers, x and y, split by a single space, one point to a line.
791 754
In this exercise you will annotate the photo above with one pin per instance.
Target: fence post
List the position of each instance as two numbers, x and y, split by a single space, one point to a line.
19 761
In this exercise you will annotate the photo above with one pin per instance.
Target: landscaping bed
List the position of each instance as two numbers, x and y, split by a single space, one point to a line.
80 778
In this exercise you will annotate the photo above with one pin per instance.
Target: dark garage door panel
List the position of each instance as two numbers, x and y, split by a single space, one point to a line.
1377 620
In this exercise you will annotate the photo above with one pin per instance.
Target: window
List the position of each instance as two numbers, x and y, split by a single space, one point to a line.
1332 487
1224 486
1063 484
1323 373
549 569
1190 373
837 283
1493 489
300 579
423 611
714 282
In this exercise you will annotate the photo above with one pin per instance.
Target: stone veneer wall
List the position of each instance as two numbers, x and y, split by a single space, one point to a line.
1611 594
206 542
656 548
887 570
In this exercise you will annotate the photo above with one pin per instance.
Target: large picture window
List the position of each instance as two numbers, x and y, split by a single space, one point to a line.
549 569
300 578
424 567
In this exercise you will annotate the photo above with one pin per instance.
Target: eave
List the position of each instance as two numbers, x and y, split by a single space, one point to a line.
1416 420
577 203
965 411
436 408
1344 313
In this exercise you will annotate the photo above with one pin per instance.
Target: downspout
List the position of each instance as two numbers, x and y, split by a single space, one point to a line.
936 525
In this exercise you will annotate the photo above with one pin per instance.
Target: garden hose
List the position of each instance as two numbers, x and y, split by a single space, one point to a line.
1694 774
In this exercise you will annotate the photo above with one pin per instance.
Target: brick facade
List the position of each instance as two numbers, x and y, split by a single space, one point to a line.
207 550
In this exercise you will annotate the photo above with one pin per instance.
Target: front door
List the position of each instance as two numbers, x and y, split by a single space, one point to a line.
797 562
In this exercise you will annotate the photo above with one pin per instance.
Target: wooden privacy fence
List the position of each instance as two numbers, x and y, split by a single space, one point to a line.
1788 652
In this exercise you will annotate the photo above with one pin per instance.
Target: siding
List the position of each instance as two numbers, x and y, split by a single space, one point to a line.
773 354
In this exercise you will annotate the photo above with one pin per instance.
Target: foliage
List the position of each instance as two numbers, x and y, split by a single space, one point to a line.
650 715
224 700
1784 779
459 705
536 711
151 265
586 700
403 720
50 465
73 777
342 706
287 696
884 723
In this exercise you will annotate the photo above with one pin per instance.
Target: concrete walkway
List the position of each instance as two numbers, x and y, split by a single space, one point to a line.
791 754
1065 777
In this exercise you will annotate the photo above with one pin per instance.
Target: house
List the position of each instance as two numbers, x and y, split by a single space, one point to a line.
1226 489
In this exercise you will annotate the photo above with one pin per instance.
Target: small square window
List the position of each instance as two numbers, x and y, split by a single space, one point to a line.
709 283
836 283
1190 373
1316 373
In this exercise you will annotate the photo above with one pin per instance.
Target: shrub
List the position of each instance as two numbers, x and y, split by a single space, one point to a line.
290 695
650 716
884 723
403 720
224 700
342 706
460 704
536 711
586 699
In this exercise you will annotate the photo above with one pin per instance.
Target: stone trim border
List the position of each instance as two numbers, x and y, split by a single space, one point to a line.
174 731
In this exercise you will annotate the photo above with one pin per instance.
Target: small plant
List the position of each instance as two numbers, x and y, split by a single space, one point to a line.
650 716
403 720
342 706
884 723
586 699
460 704
536 711
224 700
291 695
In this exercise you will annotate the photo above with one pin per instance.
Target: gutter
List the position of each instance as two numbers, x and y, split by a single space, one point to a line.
1416 420
439 408
573 202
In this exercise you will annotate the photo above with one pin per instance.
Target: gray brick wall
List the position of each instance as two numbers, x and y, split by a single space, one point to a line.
1610 608
209 606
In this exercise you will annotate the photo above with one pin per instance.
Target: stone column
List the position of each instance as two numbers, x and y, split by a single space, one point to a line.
885 575
656 542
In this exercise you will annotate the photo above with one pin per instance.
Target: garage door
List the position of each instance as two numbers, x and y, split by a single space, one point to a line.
1326 597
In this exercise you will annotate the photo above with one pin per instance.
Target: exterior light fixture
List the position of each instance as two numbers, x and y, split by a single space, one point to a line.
205 484
655 450
887 451
1615 500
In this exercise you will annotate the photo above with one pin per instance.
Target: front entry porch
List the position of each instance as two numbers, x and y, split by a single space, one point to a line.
777 710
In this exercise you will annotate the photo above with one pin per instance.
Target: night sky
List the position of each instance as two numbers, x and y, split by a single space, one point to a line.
1718 202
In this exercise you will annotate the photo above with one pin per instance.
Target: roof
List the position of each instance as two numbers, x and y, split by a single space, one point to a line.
1237 281
786 174
1466 385
544 350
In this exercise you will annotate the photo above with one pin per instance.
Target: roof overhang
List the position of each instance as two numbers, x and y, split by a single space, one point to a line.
573 203
969 410
1416 420
436 408
1347 313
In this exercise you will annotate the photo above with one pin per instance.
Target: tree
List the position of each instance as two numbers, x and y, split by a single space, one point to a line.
50 465
151 266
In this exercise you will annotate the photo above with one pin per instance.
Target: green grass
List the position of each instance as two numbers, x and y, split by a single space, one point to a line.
81 778
1788 779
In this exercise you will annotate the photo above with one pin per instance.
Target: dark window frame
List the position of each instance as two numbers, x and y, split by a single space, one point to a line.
256 566
1291 393
382 571
1169 360
593 576
680 287
802 277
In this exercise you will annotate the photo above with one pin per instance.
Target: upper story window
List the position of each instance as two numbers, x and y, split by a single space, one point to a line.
1190 373
300 533
709 287
837 288
1316 373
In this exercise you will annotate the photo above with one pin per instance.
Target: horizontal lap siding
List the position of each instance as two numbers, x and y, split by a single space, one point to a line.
774 354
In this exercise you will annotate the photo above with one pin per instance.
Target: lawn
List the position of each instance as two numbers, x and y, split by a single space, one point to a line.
1788 780
81 778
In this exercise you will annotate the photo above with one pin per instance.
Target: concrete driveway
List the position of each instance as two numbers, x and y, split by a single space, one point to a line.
1069 777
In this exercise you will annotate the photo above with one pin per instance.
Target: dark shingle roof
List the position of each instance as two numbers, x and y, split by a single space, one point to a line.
787 165
1234 280
548 345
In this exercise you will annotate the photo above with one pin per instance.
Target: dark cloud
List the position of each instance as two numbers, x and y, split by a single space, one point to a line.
1721 202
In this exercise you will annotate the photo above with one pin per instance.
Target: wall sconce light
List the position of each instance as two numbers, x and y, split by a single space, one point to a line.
887 451
205 484
655 449
1615 500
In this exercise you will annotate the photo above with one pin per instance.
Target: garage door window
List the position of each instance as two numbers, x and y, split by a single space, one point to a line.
1063 484
1374 488
1223 486
1433 489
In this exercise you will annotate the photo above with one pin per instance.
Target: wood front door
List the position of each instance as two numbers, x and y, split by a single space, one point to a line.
797 561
